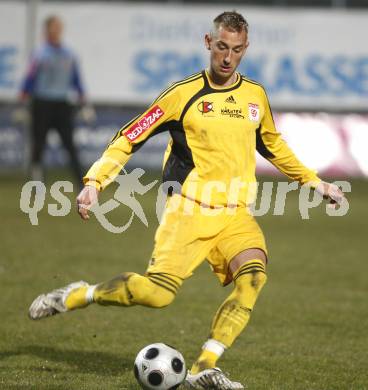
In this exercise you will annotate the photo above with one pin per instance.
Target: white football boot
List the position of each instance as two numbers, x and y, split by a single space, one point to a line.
211 379
46 305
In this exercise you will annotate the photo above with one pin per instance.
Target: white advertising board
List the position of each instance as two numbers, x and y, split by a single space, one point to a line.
306 59
12 47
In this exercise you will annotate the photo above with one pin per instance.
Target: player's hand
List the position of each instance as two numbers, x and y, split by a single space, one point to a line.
331 192
85 200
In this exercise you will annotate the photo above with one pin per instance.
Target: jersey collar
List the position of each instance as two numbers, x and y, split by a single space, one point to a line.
209 85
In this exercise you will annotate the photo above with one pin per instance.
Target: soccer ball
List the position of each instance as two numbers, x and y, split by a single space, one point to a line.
159 367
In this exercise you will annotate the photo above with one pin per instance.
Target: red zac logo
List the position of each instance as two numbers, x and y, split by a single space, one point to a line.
205 107
143 124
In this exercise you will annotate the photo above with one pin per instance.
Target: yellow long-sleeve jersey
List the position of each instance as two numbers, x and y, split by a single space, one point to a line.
215 133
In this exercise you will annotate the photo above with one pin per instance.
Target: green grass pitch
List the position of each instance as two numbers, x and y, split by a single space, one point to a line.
309 330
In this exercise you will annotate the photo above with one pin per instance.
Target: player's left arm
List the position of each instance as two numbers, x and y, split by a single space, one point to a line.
271 146
128 140
157 118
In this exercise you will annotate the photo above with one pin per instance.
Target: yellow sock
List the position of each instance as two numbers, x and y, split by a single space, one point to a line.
206 359
233 315
128 289
211 352
77 298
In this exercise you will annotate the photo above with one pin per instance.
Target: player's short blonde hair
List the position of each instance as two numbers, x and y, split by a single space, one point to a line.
231 20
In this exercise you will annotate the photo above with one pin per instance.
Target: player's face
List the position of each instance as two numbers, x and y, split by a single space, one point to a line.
227 49
54 32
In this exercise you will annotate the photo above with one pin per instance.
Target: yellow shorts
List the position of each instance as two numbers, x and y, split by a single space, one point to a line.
189 233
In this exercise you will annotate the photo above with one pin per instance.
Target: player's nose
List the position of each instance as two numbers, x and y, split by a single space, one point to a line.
227 59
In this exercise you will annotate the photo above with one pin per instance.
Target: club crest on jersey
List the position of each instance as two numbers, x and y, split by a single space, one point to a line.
205 107
253 110
139 127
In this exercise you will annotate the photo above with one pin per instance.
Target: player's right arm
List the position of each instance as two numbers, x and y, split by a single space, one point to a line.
128 140
271 146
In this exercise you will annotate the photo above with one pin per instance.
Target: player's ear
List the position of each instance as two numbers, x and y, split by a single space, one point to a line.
207 41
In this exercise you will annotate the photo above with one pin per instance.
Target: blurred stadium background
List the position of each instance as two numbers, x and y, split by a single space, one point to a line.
312 61
309 330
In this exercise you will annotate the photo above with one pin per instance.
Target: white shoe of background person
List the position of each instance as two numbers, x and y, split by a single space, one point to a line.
213 379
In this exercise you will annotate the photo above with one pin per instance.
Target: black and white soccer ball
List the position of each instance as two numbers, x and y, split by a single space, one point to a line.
159 367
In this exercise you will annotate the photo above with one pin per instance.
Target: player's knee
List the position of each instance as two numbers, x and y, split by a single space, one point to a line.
251 272
165 289
259 280
248 257
149 293
256 280
248 286
162 298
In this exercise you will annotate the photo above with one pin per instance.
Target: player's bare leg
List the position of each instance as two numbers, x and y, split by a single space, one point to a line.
248 269
127 289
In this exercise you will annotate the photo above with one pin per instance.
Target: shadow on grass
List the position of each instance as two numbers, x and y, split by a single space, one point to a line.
102 363
29 387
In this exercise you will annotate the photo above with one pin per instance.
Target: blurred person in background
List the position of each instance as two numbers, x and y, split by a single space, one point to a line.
52 76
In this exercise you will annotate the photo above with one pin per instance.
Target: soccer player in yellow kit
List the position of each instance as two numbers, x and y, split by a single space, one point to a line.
217 119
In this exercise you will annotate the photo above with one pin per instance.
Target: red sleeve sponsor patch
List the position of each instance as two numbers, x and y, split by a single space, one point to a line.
144 123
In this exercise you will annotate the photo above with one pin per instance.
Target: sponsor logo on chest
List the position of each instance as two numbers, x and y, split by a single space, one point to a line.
253 112
205 107
232 112
147 121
